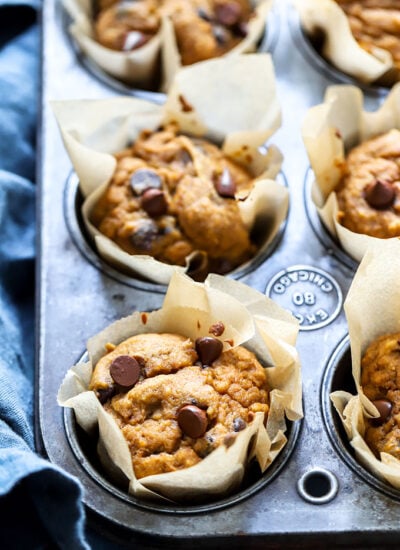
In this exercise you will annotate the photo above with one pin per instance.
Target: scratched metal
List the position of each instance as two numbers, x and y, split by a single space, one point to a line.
77 295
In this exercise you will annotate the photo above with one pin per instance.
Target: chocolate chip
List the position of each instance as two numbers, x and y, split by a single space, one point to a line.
105 394
192 421
144 179
153 202
224 184
228 14
384 407
144 235
185 105
221 34
239 424
380 194
208 349
134 40
125 371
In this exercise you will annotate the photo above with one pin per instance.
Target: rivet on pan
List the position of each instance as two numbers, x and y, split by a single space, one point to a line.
318 486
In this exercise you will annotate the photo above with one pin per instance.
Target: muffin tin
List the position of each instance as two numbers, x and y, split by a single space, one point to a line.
316 494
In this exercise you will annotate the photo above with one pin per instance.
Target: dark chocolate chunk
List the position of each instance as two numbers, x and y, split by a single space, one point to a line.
239 424
384 407
228 14
105 394
208 349
144 179
144 235
125 371
224 184
153 202
192 421
134 40
380 194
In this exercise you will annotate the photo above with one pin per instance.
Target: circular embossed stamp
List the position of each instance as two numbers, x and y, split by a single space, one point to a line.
309 293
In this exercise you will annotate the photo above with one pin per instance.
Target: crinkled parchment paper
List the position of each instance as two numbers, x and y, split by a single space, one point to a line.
189 309
139 67
329 131
340 46
372 309
233 102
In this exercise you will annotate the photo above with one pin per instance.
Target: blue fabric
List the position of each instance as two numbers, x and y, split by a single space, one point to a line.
40 506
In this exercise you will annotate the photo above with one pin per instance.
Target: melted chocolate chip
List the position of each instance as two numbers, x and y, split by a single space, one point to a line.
192 421
224 184
144 235
134 40
105 394
144 179
384 407
380 194
125 371
229 440
228 14
239 424
153 202
208 349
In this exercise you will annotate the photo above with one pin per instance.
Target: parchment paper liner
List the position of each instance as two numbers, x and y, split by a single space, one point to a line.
340 46
140 66
372 310
250 319
329 131
240 113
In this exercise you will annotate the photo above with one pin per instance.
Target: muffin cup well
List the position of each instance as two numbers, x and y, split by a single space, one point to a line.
339 45
329 131
224 107
140 67
372 310
189 308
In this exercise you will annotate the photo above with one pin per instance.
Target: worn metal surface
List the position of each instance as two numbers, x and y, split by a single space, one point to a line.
78 296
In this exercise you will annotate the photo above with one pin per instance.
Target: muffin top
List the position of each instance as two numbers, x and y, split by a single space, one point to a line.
176 400
171 195
369 193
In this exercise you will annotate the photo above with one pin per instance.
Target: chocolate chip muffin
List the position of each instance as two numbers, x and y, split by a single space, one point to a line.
204 28
375 23
369 193
172 195
176 400
380 380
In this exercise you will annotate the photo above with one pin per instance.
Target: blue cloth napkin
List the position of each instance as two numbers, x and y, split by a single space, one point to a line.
40 505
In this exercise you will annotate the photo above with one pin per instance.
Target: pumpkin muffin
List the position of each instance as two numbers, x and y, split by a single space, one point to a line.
380 380
369 193
176 400
172 195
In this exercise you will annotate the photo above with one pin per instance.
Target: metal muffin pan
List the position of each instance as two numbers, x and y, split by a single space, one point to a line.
315 495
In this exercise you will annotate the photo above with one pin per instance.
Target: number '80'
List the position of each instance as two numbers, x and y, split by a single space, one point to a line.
301 298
